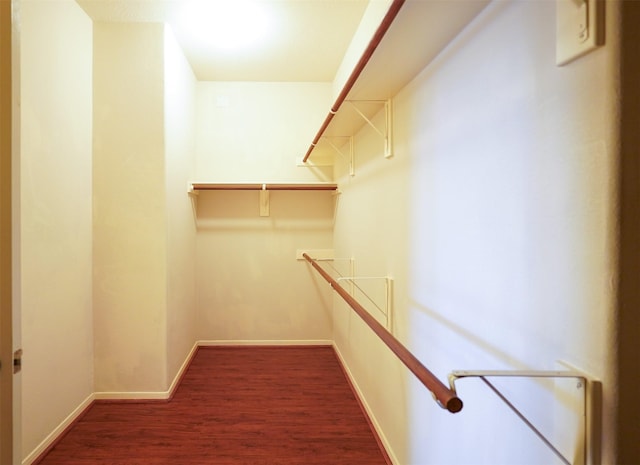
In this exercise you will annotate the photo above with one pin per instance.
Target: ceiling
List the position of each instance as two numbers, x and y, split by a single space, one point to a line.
295 40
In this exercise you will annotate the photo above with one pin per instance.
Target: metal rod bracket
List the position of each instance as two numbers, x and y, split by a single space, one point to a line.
387 132
582 454
387 311
347 156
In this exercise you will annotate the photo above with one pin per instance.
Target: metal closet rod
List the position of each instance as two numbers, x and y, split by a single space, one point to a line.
355 74
444 396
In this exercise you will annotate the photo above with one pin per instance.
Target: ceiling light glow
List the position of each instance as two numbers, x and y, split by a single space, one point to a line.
227 25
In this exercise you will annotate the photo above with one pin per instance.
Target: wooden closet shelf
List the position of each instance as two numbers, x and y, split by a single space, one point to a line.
409 37
269 186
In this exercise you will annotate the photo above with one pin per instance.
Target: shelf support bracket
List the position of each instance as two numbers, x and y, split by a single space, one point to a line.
264 201
582 385
388 295
387 133
348 156
193 196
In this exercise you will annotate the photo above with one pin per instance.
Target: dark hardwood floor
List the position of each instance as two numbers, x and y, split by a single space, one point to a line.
235 405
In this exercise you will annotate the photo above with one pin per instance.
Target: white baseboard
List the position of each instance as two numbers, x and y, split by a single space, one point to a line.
366 406
163 395
60 429
269 342
182 370
151 395
132 395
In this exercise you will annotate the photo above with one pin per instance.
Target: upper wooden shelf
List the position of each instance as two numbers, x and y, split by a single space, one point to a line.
410 36
269 186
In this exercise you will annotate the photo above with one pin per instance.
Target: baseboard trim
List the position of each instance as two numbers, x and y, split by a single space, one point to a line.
383 441
125 396
177 379
58 433
164 396
266 342
151 396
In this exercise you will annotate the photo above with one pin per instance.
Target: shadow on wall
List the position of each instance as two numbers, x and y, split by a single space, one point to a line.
288 209
250 284
483 345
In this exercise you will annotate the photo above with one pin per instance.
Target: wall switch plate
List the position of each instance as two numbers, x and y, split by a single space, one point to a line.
579 28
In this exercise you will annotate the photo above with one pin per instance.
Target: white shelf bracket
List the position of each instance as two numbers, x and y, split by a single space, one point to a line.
264 201
387 311
193 196
583 386
347 156
387 133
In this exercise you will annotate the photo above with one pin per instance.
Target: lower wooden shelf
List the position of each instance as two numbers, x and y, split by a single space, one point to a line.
264 189
270 186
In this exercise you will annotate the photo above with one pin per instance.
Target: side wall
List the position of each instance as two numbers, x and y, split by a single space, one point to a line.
257 131
250 286
179 111
55 215
496 219
130 219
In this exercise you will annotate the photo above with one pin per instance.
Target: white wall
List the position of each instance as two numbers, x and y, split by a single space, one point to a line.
138 316
130 208
257 131
179 113
495 217
250 287
144 227
55 215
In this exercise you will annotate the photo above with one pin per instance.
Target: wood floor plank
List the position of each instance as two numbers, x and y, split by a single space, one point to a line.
234 406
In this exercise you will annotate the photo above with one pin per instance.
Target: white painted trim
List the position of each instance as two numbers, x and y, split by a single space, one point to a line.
151 395
163 395
53 436
182 370
242 342
132 395
363 400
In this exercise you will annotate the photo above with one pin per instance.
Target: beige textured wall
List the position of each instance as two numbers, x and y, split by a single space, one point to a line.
496 218
179 111
130 209
250 286
55 215
257 131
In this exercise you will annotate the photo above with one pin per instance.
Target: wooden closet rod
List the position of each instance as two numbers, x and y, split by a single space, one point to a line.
355 74
443 395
